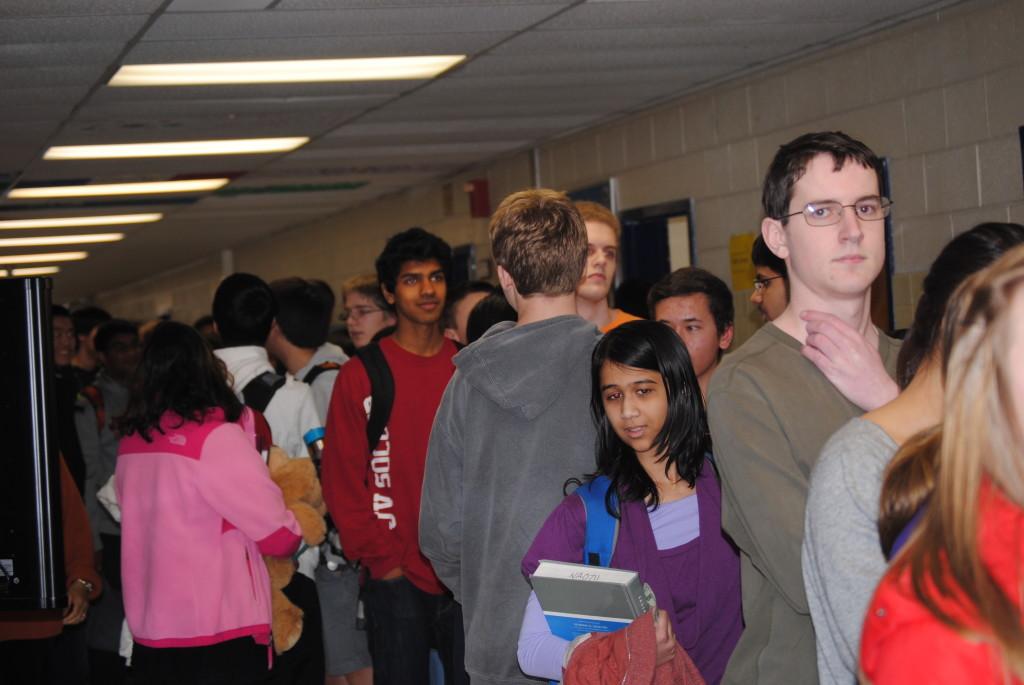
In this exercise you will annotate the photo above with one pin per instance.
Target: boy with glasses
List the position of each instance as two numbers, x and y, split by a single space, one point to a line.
774 402
771 286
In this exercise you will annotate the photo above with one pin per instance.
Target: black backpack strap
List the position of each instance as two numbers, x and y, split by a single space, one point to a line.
382 390
320 368
258 392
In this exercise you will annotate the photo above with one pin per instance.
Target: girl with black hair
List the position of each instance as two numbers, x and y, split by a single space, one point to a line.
198 508
652 446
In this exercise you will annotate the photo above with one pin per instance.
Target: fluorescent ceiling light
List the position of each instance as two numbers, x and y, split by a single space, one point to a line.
193 186
69 221
39 257
62 240
32 271
186 148
284 71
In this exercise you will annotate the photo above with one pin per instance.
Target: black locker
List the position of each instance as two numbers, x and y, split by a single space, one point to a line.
31 549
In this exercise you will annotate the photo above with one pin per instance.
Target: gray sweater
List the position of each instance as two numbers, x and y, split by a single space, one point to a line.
513 425
842 557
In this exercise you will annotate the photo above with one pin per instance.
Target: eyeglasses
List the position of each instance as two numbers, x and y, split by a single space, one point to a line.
761 283
357 313
830 212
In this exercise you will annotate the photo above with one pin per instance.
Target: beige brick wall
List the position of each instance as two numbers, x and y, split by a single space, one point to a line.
186 292
941 97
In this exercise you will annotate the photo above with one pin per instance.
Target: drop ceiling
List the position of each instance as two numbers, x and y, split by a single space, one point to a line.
535 69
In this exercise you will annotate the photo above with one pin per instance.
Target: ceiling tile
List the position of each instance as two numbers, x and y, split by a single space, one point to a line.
92 28
217 5
75 8
58 54
48 77
386 21
102 107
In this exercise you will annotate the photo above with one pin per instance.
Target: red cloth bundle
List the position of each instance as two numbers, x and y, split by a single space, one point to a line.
628 657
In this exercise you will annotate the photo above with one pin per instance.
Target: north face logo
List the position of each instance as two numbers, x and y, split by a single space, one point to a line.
177 439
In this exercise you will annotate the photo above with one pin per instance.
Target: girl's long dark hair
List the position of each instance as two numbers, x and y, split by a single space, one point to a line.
683 440
180 374
911 475
962 256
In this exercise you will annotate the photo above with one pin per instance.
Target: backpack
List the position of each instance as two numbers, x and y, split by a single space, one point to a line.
320 368
258 392
602 528
382 390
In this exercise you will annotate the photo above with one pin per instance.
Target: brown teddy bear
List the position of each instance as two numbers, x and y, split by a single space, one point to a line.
301 489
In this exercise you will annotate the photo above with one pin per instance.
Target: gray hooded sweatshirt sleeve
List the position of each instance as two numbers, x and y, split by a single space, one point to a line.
513 425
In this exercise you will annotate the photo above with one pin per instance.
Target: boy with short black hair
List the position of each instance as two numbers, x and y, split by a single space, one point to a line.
372 486
116 348
514 425
243 310
298 336
298 339
697 305
86 362
461 300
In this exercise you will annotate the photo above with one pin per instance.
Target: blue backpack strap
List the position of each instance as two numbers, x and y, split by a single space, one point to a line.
602 527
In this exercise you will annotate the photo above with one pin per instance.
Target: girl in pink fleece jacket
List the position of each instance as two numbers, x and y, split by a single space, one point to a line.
198 510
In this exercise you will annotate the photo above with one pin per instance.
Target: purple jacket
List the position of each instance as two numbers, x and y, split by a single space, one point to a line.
714 628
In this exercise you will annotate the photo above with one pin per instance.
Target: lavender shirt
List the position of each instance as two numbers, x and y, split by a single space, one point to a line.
703 597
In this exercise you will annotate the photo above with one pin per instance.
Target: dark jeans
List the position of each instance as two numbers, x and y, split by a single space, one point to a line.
234 662
404 624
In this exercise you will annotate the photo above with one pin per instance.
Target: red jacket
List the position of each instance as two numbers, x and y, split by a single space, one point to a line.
375 499
903 642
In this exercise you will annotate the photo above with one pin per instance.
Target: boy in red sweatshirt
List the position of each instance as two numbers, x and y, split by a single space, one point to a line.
374 495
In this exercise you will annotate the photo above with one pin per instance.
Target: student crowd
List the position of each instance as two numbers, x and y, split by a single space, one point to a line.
825 503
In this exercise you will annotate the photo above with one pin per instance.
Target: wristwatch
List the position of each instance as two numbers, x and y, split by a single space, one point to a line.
89 587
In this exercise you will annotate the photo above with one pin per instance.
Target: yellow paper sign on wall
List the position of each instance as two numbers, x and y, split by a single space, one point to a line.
739 260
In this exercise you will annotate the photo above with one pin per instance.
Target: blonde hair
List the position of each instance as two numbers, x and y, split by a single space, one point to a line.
978 441
598 213
538 237
367 286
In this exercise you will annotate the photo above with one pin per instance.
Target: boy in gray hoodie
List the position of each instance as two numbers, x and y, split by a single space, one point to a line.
513 425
